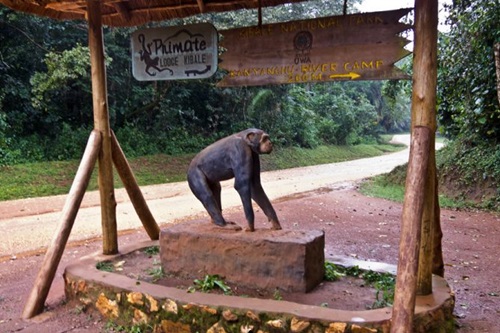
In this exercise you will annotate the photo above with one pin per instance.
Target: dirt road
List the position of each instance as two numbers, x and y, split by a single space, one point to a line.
31 223
355 226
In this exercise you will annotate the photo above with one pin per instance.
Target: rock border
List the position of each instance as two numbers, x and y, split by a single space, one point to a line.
127 301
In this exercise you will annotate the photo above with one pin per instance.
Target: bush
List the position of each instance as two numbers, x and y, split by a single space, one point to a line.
469 169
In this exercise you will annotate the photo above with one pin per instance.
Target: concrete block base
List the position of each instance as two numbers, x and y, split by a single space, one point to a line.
291 260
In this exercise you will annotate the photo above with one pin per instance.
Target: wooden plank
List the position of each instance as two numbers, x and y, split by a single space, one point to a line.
329 64
332 46
36 300
101 123
252 39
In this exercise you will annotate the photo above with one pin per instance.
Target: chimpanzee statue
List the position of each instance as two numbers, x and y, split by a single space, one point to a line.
234 156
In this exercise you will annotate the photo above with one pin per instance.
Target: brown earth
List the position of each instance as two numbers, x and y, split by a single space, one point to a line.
355 226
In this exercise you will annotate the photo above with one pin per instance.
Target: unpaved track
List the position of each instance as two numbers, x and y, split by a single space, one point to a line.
30 224
355 226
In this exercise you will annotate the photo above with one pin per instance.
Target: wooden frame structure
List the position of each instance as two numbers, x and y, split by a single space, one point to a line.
420 245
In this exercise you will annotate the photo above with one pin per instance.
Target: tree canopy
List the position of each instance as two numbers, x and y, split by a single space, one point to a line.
46 106
467 84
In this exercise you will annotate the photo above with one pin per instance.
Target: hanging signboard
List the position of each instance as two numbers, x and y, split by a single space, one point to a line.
173 53
351 47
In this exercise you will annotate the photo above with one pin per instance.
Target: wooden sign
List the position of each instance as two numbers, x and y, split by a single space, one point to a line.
350 47
171 53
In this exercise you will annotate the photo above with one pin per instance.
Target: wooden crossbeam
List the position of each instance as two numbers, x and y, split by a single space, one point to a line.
122 9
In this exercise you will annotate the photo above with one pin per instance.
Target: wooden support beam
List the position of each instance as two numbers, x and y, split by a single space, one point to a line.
496 53
406 281
101 123
36 300
424 279
122 9
201 5
437 236
133 190
419 222
424 114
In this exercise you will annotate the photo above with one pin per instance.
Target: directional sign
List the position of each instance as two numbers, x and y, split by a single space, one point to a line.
350 47
170 53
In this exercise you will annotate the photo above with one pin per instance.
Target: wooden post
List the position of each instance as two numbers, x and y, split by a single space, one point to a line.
424 114
406 281
437 236
496 53
101 123
36 300
420 201
424 280
133 190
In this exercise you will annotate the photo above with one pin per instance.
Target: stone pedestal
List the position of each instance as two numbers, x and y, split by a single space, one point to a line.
292 260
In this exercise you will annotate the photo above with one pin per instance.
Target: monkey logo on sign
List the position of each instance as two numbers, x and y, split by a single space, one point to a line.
302 43
145 54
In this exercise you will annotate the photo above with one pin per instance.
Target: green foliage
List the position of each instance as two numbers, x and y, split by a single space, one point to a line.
152 250
469 171
51 178
468 177
277 295
105 266
283 158
384 186
111 326
467 93
384 283
157 273
46 108
395 115
209 283
332 272
62 70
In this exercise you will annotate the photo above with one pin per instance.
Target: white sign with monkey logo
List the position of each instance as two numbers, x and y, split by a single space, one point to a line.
172 53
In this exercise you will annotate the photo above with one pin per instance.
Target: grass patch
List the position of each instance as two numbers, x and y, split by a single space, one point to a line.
105 266
53 178
381 187
391 186
152 250
209 283
384 283
157 273
293 157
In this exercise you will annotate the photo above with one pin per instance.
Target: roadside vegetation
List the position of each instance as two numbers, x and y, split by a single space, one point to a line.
46 110
51 178
468 111
468 178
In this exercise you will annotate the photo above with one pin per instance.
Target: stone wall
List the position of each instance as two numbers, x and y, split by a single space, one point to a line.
155 308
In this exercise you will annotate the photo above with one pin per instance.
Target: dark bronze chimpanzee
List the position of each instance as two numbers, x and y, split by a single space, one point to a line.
234 156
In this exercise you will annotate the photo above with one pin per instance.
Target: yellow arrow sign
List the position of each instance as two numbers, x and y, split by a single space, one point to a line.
350 75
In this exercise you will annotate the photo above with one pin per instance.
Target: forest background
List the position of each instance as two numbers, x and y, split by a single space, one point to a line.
46 104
